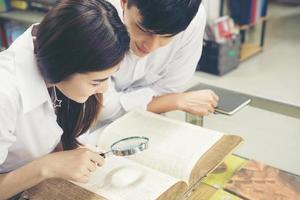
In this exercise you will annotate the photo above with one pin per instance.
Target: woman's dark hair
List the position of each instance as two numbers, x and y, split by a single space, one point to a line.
166 16
79 36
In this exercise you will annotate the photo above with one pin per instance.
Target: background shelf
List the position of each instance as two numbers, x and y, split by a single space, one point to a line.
28 17
248 50
246 26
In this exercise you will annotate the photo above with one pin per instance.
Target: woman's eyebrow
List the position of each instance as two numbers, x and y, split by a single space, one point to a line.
101 80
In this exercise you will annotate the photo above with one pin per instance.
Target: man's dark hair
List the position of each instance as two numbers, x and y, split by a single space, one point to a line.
166 16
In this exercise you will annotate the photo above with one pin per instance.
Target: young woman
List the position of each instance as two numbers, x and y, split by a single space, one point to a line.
51 84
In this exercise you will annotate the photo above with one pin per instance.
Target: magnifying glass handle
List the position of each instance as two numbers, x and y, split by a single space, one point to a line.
106 154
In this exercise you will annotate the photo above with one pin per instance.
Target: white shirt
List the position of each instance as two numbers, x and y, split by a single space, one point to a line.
28 127
166 70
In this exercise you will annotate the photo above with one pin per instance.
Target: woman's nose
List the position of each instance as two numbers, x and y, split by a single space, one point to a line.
102 87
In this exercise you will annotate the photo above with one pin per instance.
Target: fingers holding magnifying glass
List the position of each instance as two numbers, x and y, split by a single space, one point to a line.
97 159
102 155
94 155
92 166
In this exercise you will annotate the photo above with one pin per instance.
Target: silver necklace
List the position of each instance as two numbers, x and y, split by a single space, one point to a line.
56 102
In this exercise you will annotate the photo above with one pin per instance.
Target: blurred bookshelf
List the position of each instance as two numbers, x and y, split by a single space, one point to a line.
13 23
247 26
26 17
291 2
17 15
249 48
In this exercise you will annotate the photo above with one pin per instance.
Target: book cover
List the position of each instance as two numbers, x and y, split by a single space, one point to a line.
223 195
258 181
201 192
225 171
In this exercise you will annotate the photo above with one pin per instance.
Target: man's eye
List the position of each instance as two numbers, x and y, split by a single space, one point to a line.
95 84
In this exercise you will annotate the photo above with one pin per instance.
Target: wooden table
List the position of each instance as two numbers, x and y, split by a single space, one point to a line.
58 189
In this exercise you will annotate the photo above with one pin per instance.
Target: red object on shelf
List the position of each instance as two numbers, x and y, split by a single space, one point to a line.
253 11
2 38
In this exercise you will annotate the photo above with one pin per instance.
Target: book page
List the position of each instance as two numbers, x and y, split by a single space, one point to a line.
174 147
120 178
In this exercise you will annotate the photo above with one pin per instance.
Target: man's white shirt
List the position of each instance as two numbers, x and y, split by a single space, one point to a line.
166 70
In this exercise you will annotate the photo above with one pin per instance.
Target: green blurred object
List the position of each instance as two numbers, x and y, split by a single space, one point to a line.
232 53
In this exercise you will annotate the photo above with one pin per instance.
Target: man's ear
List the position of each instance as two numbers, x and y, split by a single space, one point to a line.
123 3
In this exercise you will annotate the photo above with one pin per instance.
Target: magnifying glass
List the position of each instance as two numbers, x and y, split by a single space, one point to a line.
127 146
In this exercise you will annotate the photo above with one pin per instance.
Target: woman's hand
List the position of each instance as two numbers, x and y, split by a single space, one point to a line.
75 165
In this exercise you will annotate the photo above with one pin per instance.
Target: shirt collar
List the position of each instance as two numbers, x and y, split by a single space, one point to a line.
32 86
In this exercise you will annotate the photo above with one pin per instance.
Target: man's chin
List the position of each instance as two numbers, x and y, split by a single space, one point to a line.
138 52
141 55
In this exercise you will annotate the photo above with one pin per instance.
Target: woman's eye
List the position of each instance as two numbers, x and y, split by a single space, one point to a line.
95 84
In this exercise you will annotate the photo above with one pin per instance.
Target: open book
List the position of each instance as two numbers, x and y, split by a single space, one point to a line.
178 156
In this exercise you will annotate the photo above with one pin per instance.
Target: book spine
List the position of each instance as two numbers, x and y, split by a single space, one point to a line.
3 5
7 5
2 39
253 11
7 31
264 8
245 12
235 10
258 10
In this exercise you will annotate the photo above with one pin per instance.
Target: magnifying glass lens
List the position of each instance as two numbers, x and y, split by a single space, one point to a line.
129 143
127 146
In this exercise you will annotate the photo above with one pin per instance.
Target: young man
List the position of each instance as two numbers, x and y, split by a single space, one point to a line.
166 45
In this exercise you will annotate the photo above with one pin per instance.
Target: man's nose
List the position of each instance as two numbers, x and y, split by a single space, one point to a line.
152 43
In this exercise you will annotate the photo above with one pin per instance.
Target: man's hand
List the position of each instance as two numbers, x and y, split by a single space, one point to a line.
202 102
